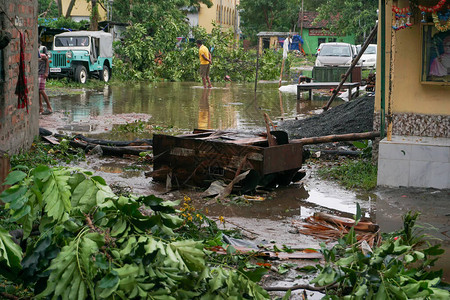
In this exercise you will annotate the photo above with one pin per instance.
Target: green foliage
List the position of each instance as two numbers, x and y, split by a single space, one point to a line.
360 173
93 244
63 22
154 57
268 15
48 8
365 146
45 154
355 17
396 269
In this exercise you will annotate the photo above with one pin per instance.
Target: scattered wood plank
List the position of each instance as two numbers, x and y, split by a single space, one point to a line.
347 222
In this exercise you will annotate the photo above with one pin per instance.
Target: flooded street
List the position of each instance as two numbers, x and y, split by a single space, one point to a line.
234 106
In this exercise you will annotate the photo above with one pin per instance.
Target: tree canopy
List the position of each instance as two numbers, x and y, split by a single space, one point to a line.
355 16
268 15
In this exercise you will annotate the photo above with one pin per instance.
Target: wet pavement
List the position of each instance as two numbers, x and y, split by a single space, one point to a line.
235 107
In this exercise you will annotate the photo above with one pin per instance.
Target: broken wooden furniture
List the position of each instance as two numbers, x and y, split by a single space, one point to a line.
327 85
205 156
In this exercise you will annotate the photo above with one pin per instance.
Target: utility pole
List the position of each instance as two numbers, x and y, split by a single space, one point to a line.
301 21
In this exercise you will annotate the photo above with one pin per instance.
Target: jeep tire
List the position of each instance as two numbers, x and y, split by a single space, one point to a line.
81 74
105 74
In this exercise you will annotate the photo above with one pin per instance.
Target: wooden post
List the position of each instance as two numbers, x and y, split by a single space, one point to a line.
281 73
257 63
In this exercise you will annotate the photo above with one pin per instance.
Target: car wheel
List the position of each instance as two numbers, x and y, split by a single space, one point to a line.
105 74
81 74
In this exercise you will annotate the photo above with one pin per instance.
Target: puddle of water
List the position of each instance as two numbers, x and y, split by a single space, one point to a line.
183 105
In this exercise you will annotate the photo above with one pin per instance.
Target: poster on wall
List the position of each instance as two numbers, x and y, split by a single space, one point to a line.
436 55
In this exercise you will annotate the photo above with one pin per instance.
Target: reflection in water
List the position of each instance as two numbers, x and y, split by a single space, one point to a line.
204 121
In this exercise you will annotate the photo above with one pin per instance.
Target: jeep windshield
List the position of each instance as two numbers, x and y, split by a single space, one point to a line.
335 50
69 41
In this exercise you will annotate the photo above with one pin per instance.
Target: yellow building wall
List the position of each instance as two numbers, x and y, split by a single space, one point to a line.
408 94
82 8
223 12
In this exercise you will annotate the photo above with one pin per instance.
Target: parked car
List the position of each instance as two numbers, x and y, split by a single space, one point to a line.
369 57
82 54
335 54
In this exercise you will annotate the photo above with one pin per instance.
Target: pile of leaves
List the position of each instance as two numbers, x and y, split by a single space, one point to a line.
79 240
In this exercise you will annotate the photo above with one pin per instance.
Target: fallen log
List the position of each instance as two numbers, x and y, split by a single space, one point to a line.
107 150
137 142
336 138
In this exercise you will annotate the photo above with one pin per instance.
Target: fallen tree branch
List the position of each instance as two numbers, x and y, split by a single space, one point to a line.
337 138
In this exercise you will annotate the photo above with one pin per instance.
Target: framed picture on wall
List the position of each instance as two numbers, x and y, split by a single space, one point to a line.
435 55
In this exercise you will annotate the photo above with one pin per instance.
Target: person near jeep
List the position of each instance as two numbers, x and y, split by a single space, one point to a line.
43 69
205 63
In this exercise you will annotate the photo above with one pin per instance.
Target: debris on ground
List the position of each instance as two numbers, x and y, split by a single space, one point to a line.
330 228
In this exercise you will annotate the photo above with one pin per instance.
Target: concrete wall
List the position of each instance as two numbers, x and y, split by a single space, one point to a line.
416 151
17 127
82 10
311 42
223 12
408 95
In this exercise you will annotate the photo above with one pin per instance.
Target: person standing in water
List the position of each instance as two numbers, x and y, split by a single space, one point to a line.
205 63
43 69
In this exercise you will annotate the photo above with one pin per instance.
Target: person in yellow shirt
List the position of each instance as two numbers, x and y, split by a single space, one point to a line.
205 63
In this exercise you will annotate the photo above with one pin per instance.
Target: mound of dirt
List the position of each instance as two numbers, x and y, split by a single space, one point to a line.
351 117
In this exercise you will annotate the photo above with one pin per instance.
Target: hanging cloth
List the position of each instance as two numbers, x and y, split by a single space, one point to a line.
21 87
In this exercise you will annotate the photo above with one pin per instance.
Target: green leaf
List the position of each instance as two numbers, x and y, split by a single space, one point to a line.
84 196
57 195
345 261
42 172
72 270
99 180
218 279
14 177
10 251
358 213
109 281
409 258
361 291
13 193
17 215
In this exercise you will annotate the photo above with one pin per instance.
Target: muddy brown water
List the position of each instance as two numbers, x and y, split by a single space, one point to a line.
235 106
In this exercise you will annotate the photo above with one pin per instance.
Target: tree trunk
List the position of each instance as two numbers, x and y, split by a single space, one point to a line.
58 2
94 16
69 9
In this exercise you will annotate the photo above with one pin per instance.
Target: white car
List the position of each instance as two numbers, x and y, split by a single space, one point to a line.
335 54
369 57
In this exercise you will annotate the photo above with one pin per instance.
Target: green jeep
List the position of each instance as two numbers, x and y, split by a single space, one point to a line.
81 54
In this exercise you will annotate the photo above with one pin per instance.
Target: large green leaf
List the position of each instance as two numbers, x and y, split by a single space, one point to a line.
14 177
73 270
57 194
10 251
83 196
